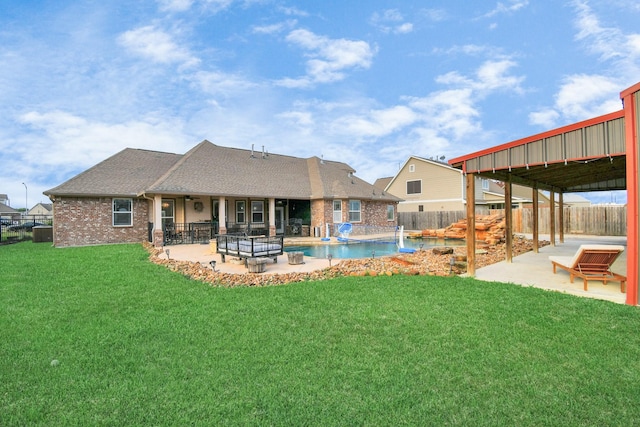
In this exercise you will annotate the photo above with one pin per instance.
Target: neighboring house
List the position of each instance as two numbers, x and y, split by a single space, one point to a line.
4 199
43 210
491 195
7 212
139 194
571 200
382 183
426 185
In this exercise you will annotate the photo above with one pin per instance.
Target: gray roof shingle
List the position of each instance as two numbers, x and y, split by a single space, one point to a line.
209 169
126 173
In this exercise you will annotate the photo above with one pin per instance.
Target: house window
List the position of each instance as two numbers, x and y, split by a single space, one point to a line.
412 168
420 208
390 213
354 210
241 211
257 211
122 212
414 187
168 212
485 184
337 211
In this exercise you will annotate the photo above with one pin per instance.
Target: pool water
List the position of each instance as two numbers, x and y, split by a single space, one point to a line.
354 250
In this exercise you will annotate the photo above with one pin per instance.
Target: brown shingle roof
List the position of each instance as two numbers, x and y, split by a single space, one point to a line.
209 169
126 173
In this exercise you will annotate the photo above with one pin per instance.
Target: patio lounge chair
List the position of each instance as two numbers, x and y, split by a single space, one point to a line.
592 262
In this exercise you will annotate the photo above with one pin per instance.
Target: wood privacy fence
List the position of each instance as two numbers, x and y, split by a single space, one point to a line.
594 220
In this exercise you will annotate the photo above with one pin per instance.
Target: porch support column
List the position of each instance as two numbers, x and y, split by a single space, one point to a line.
561 216
222 215
508 221
536 230
552 218
471 224
272 216
158 234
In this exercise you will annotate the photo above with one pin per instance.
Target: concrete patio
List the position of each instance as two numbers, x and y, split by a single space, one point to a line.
531 269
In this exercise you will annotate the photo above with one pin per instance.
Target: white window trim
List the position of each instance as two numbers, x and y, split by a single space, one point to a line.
114 212
336 211
359 211
172 203
261 211
244 212
391 209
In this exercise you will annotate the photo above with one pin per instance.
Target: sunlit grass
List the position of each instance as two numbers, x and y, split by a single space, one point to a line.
134 344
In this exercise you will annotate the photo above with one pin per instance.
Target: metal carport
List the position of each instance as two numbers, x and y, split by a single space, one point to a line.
599 154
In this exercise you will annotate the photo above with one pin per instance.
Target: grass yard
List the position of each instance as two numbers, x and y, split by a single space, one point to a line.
100 336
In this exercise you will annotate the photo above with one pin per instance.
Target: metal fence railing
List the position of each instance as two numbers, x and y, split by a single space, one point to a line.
188 233
20 229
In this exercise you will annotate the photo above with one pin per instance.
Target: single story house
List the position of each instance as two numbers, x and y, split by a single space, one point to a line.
8 213
42 210
141 194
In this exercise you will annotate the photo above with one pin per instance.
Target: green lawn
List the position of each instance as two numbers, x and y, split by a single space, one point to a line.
100 336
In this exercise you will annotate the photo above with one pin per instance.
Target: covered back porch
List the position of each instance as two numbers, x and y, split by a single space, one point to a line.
187 219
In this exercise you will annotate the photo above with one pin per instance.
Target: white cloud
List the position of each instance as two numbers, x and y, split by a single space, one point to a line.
175 5
603 41
82 142
405 28
329 58
376 123
274 28
470 49
511 6
490 76
293 11
580 97
434 15
545 118
391 21
298 118
583 96
157 46
633 45
452 113
221 84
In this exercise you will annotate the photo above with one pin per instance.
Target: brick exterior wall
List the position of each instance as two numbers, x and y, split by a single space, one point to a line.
372 213
80 221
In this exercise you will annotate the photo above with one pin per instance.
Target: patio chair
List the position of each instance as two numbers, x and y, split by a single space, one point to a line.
591 262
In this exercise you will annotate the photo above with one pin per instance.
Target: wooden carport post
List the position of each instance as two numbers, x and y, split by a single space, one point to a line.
561 215
471 224
508 221
535 219
552 218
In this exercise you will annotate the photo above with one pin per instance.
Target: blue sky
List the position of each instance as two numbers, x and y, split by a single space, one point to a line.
368 83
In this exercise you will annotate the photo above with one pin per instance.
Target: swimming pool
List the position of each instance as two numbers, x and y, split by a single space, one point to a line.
367 249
